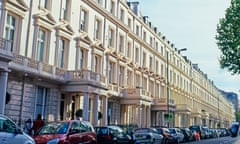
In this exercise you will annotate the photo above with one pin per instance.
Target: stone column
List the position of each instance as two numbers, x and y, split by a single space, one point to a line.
148 116
144 117
139 116
86 107
95 110
3 90
105 106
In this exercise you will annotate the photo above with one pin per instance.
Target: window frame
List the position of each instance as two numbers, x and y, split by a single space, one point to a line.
45 4
65 52
121 43
43 102
112 69
111 37
112 7
10 30
97 29
41 41
65 10
84 16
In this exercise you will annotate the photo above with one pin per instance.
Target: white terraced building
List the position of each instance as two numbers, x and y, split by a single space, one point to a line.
103 59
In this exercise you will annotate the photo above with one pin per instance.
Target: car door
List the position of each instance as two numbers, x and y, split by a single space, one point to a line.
9 133
87 133
74 133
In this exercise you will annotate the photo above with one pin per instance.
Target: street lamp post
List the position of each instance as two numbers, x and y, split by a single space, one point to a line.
168 86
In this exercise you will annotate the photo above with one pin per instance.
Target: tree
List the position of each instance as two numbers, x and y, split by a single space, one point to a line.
228 38
237 114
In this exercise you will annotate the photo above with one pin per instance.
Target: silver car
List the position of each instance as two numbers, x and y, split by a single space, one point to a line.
10 133
177 134
147 135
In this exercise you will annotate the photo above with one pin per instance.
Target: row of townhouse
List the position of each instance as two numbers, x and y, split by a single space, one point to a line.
101 61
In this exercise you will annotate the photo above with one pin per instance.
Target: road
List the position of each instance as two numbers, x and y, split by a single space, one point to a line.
221 140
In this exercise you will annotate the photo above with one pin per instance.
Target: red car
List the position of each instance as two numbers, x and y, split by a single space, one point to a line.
167 137
66 132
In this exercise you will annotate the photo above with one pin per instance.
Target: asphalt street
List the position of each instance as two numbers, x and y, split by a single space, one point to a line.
221 140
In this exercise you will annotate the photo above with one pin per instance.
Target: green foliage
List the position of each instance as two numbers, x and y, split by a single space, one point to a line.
237 114
228 38
79 113
168 116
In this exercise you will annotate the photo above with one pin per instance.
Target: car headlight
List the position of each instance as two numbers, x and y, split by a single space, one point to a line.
53 141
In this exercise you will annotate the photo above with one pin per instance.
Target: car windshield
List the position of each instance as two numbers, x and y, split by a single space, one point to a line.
116 128
54 128
197 128
145 130
172 130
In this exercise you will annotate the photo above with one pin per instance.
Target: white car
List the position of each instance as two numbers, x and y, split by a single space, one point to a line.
10 133
147 135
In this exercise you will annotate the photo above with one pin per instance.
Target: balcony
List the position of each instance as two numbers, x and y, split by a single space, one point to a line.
183 108
135 95
38 69
84 75
5 53
162 104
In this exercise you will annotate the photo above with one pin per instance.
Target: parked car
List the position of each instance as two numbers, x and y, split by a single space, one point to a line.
112 135
188 135
167 137
177 134
10 133
213 133
224 132
147 135
67 132
206 132
199 129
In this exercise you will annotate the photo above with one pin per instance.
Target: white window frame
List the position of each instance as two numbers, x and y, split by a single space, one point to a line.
112 7
45 4
65 10
41 101
111 37
122 13
121 43
81 58
121 76
128 50
97 64
41 45
10 29
84 20
112 70
97 30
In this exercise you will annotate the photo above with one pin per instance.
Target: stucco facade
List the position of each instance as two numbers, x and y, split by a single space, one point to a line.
104 58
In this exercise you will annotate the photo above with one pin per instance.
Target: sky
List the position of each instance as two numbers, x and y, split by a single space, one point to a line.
192 24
